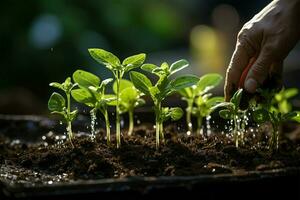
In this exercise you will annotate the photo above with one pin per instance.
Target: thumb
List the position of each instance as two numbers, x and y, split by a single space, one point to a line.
259 71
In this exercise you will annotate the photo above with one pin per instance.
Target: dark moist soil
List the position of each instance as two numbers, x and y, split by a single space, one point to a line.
180 155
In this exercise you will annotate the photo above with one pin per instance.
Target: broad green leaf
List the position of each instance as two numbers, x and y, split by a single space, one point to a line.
141 82
286 94
105 57
236 98
148 67
260 115
178 65
297 117
155 93
227 105
85 79
107 81
56 102
134 61
289 116
186 92
164 66
129 95
123 85
176 113
159 71
111 99
284 106
57 85
208 82
213 101
183 82
84 96
225 114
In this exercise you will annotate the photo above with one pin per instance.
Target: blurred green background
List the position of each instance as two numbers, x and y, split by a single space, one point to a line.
47 40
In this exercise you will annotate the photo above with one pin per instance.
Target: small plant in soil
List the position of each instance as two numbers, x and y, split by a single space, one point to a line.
91 92
58 105
118 69
276 109
199 101
232 111
130 98
164 87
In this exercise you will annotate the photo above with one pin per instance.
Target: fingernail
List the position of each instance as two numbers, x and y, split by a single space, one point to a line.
251 85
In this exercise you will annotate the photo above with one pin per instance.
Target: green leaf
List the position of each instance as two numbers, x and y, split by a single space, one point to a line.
106 81
290 92
284 106
260 115
227 105
165 67
123 85
183 82
186 92
104 57
297 117
236 98
148 67
134 61
225 114
141 82
208 82
139 102
67 85
85 79
155 93
129 95
289 116
57 85
176 113
213 101
178 65
56 102
84 96
111 99
159 71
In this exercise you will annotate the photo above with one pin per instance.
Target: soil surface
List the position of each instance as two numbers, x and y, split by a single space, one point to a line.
54 160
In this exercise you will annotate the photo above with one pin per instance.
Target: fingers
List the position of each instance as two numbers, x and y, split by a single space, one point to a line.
259 72
239 61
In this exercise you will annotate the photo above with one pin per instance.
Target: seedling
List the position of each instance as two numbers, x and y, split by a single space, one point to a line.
233 112
275 110
57 104
163 88
118 69
91 92
129 99
198 94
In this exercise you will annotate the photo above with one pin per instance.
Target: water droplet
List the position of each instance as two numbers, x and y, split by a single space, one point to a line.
188 133
138 121
50 182
43 137
60 122
93 120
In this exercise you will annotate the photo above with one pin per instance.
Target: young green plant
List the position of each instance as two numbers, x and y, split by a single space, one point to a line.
198 94
118 69
275 109
164 87
130 98
58 105
231 111
91 92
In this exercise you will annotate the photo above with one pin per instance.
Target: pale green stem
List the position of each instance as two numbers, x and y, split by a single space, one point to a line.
189 116
118 126
69 125
107 123
199 125
158 112
161 132
235 132
131 122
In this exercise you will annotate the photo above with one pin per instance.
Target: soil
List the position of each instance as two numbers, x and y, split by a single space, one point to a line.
52 160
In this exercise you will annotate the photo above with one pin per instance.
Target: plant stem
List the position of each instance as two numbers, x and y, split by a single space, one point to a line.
158 113
118 128
69 125
189 116
161 132
131 122
107 123
235 131
199 125
69 132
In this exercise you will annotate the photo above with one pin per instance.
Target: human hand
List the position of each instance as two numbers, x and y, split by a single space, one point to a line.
269 36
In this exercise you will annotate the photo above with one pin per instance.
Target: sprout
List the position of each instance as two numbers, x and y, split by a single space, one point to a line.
129 99
91 92
163 88
118 69
57 104
198 95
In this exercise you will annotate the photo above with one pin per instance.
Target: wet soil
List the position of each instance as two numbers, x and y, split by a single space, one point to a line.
50 160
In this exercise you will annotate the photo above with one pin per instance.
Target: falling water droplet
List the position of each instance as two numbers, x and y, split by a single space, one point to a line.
208 130
93 121
188 133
